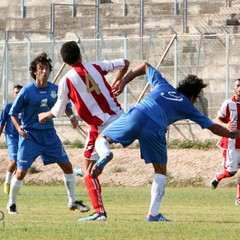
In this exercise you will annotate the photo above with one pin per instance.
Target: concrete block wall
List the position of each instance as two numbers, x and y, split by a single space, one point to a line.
158 16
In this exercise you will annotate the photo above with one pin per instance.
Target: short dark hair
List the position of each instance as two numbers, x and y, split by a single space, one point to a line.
70 52
18 86
191 86
41 58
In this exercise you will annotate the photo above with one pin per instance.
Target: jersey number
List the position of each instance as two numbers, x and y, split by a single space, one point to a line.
93 86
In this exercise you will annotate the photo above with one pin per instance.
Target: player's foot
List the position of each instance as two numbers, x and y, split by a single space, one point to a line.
7 188
214 183
100 164
237 202
95 217
78 205
12 208
78 171
158 218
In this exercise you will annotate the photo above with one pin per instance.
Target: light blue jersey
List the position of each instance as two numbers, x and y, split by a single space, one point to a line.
43 140
33 100
165 105
149 119
11 134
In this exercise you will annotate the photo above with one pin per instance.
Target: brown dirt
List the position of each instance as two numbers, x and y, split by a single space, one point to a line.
127 169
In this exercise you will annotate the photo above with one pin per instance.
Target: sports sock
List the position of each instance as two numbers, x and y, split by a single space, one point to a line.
14 189
222 174
95 193
102 146
157 193
238 191
70 184
8 177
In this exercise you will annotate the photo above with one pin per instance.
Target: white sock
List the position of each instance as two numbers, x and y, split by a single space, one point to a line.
70 183
8 177
102 146
157 193
14 189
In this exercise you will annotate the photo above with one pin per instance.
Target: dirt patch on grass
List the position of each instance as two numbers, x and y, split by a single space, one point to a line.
128 169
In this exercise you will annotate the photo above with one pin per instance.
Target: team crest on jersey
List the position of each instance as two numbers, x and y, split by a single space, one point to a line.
44 102
53 94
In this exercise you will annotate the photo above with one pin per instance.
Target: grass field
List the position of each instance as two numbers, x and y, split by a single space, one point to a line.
196 213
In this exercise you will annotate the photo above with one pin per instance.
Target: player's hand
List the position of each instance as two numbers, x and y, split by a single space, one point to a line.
231 126
42 117
22 132
117 87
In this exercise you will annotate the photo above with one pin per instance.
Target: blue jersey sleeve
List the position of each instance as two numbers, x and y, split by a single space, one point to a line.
4 116
154 77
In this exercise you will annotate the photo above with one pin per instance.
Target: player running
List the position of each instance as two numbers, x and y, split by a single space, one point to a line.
228 116
148 122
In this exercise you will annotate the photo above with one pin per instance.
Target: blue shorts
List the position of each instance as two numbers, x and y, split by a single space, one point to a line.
133 125
12 147
45 144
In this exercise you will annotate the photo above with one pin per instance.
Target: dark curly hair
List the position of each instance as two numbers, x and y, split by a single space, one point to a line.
70 52
41 58
191 86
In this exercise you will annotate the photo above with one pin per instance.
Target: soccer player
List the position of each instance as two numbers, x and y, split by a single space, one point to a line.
11 135
40 140
228 116
148 122
86 86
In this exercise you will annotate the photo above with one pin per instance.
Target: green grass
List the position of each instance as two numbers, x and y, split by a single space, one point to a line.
195 144
196 213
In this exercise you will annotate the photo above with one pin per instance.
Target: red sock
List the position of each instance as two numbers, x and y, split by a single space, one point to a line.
238 191
95 193
222 174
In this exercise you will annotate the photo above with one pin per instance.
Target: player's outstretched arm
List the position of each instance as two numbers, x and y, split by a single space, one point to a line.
223 132
139 70
44 116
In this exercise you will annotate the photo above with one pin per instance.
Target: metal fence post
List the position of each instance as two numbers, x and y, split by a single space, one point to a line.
5 69
29 52
227 61
199 49
23 9
185 16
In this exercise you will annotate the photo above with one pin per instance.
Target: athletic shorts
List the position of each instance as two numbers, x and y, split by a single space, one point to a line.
45 144
231 160
12 147
135 125
89 151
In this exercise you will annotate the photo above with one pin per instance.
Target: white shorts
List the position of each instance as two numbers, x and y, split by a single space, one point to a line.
89 151
231 160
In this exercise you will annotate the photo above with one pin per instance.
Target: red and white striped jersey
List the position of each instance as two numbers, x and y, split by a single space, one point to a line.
86 86
230 111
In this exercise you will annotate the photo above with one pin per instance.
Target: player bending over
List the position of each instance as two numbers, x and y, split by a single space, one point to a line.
148 122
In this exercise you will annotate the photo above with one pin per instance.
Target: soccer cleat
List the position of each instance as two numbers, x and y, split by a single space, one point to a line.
78 205
95 217
78 171
100 164
12 209
237 202
7 188
214 183
158 218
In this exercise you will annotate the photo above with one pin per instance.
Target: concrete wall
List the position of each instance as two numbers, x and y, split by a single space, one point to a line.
158 16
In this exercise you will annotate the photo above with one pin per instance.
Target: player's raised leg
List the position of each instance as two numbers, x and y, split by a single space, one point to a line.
103 149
